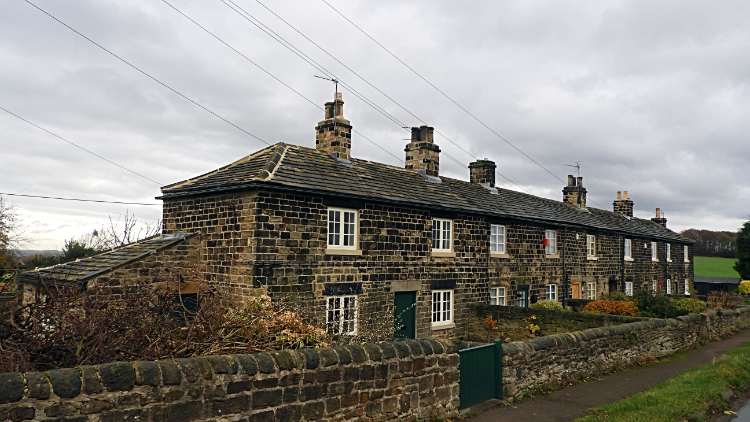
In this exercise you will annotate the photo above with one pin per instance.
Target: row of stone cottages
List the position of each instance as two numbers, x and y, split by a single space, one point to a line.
356 242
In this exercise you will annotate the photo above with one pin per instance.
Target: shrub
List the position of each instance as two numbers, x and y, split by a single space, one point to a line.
617 296
611 307
690 305
548 304
655 305
745 286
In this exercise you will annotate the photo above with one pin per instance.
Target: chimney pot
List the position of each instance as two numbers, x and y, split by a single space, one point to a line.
623 205
659 219
333 134
483 172
422 153
575 193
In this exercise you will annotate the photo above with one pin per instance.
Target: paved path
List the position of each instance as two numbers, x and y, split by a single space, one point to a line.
569 403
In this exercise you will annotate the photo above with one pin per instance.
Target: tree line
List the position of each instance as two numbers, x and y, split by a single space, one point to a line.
721 244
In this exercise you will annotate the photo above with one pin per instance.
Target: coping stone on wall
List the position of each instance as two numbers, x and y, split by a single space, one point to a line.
11 387
38 385
312 358
66 382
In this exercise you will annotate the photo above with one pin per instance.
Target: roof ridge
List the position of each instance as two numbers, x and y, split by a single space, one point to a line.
244 159
273 163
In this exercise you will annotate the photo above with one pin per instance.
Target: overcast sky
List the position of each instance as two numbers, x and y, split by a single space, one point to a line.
649 97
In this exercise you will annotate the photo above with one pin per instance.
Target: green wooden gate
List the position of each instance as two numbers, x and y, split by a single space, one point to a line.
481 374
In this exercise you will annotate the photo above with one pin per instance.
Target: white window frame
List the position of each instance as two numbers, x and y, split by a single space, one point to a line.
442 237
497 296
687 287
653 286
669 251
654 252
339 318
551 235
629 288
497 238
550 292
590 246
686 253
442 307
591 290
628 250
669 286
340 222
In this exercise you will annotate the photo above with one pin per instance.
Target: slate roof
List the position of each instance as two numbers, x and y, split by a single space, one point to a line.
291 167
84 269
717 280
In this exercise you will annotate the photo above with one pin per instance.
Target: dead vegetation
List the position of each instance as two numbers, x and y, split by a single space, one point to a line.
68 327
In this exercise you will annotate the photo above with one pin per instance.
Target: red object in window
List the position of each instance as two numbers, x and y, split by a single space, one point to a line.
545 242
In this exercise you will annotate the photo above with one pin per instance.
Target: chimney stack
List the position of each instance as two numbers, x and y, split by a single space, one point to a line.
334 133
623 205
483 173
660 219
422 153
575 193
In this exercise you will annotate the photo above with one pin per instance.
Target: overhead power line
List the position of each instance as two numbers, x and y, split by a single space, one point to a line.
264 70
319 67
146 74
77 199
79 147
441 92
268 31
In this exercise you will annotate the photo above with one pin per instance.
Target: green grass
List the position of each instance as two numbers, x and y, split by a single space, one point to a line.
673 400
714 267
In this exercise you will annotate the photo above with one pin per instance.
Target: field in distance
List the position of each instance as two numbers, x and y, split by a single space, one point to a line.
715 267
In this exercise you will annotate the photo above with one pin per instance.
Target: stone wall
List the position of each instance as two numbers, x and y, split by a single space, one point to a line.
553 361
399 380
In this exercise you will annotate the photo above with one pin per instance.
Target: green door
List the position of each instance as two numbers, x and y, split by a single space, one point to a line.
405 314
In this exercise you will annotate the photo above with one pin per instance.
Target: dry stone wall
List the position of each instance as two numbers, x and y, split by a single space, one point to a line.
375 382
556 360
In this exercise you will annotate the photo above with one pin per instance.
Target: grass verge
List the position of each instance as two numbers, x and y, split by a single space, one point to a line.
676 399
715 267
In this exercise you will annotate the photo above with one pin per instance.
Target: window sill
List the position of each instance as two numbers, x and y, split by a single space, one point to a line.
669 260
354 252
592 258
499 255
446 254
626 259
654 260
552 256
442 326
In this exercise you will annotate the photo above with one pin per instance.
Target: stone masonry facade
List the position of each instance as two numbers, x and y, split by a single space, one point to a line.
264 229
404 380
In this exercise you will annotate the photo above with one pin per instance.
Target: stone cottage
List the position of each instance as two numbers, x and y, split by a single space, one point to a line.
357 243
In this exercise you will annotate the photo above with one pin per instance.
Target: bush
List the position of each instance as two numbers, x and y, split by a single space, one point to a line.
548 304
745 286
655 305
617 296
689 305
611 307
143 323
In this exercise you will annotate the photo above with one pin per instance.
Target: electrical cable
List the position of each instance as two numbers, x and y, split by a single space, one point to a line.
255 21
77 199
441 92
250 18
78 146
144 73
